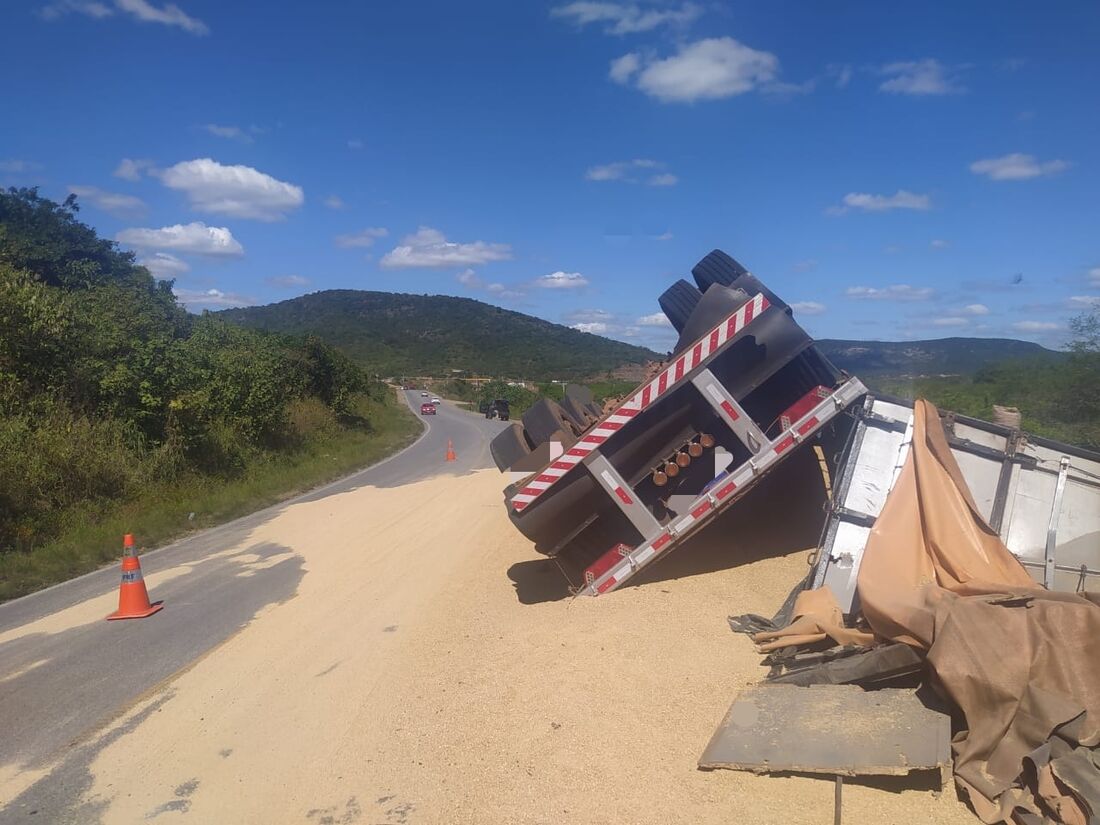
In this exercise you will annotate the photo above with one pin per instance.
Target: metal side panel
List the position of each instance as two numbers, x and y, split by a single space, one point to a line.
874 464
838 730
981 474
845 552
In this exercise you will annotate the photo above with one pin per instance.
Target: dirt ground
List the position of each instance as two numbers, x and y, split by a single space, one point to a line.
428 671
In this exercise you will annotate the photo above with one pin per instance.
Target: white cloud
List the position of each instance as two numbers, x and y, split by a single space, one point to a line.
129 169
169 15
504 292
194 238
334 202
664 236
657 319
113 202
707 69
228 132
664 179
1016 166
240 191
949 321
355 143
163 265
902 199
205 298
289 281
895 292
919 77
1085 302
1036 326
427 248
808 307
975 309
1094 276
626 18
841 72
89 8
594 327
14 165
625 171
589 316
561 280
623 68
362 238
468 277
805 265
938 243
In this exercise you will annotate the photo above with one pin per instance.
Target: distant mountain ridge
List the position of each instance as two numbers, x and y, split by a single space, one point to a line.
399 334
941 356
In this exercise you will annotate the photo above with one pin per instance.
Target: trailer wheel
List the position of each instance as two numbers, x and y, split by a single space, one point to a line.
544 419
678 301
717 268
509 446
581 416
717 303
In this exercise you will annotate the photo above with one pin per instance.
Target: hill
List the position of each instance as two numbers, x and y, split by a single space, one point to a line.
395 334
943 356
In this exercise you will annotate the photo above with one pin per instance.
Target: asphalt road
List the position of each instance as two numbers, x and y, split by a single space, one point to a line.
58 687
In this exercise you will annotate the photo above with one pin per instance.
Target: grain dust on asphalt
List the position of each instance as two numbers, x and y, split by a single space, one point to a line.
428 671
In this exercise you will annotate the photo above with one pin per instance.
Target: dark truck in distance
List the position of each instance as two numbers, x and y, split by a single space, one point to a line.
498 408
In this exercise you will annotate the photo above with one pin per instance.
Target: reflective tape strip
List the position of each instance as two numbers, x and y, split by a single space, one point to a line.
642 398
619 491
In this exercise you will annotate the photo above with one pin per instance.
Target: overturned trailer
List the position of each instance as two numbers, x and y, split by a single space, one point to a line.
745 387
1042 497
608 493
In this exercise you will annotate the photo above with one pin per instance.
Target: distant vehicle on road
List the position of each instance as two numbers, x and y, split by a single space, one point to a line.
496 409
423 394
436 400
427 409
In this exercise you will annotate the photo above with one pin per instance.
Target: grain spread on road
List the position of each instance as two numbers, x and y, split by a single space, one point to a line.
406 682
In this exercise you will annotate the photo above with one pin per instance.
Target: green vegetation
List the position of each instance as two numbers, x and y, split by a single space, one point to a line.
1057 398
395 335
120 412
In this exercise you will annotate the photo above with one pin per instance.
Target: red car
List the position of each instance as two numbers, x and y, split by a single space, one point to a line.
427 409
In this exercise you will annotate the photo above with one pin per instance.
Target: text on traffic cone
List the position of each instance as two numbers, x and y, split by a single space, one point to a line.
133 598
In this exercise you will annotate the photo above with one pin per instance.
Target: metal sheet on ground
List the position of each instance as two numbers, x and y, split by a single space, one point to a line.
832 729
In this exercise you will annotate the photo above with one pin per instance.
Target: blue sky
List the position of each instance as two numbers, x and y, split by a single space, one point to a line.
895 171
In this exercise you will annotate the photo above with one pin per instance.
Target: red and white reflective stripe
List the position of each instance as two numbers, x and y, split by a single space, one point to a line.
642 398
623 495
609 577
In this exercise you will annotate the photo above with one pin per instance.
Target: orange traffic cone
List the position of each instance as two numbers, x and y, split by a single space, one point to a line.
451 451
133 598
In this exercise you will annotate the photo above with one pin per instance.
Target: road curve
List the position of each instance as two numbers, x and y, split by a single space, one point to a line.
58 687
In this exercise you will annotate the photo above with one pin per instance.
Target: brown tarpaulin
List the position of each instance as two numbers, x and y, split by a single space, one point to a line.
1021 663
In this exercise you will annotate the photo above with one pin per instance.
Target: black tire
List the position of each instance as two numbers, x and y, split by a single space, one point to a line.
581 416
718 302
509 446
678 301
717 268
578 393
720 268
544 419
